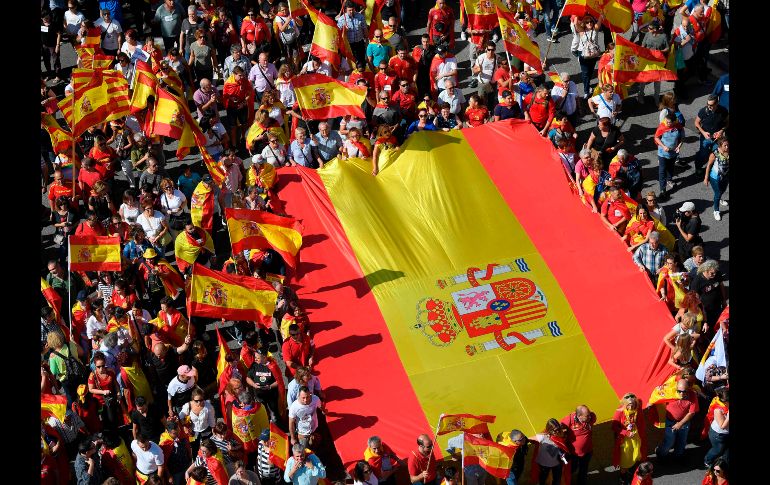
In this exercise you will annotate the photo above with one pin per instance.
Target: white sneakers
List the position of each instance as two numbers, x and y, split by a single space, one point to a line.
717 216
723 203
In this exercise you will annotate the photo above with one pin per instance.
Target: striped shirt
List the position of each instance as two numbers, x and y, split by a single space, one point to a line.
106 292
264 467
356 27
222 445
651 259
68 432
200 461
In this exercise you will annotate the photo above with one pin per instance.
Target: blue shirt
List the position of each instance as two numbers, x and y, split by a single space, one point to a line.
722 89
328 148
356 27
378 52
671 139
303 475
413 127
187 184
302 156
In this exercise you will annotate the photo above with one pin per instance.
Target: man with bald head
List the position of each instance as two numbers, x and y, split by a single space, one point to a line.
378 50
206 100
421 465
679 413
579 434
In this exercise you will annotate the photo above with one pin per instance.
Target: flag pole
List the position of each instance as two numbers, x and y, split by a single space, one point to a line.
69 287
435 433
462 461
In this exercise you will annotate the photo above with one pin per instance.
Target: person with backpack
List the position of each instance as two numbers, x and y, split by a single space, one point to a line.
585 46
286 29
65 364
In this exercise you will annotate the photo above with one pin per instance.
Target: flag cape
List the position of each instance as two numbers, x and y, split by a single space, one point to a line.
676 282
517 43
224 349
144 86
186 249
61 139
714 354
202 207
173 283
469 423
94 253
714 24
662 394
618 14
432 278
325 43
53 405
716 403
634 63
52 297
252 229
492 457
321 97
104 98
256 129
215 294
279 447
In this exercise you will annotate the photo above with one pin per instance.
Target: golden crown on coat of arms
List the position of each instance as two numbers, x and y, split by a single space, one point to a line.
437 322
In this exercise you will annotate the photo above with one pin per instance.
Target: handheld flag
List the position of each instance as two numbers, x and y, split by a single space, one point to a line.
714 354
470 423
53 405
618 14
481 13
517 43
634 63
168 116
145 85
93 38
321 97
202 207
250 229
94 253
104 98
278 446
224 349
52 297
492 457
215 294
61 139
325 44
94 58
297 8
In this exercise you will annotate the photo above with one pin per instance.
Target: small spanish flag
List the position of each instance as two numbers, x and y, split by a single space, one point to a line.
554 76
144 86
325 44
253 229
322 97
481 13
94 58
297 8
469 423
52 297
278 446
93 37
53 405
634 63
618 14
94 253
492 457
224 349
517 43
202 207
168 116
215 294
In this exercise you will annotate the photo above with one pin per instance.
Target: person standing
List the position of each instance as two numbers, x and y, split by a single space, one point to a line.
711 122
679 413
580 438
669 138
354 24
585 46
655 39
717 174
382 460
303 469
148 457
650 256
421 463
564 94
688 224
88 468
170 16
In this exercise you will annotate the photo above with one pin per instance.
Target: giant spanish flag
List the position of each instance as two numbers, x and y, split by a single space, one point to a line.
634 63
104 98
325 43
618 14
215 294
517 43
253 229
492 457
320 97
94 253
470 286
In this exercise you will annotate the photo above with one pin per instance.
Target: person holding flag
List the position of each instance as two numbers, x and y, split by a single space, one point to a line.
421 465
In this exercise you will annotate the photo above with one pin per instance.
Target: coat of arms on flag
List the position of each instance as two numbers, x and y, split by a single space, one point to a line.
215 294
512 35
250 228
320 98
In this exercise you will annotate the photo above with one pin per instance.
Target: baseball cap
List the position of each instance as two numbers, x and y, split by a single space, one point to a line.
264 435
687 207
185 370
440 49
82 295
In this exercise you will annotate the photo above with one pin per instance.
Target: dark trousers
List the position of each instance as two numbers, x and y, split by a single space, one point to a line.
51 57
665 173
545 470
359 51
719 447
587 67
169 42
580 465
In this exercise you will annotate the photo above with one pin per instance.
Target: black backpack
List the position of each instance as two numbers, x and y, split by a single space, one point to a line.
76 371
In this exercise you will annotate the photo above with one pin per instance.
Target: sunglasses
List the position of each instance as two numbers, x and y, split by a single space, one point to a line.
681 392
490 50
99 366
197 400
404 85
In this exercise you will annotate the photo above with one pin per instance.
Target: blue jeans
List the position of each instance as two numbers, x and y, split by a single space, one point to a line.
511 480
586 72
719 187
549 10
719 444
677 438
706 147
664 171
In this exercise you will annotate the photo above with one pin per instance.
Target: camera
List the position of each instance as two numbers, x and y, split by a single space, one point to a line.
678 215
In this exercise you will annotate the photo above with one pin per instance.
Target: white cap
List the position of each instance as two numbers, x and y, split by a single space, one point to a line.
257 159
687 207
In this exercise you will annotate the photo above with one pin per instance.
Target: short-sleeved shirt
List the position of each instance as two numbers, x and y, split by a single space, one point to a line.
713 121
604 108
378 52
147 461
111 30
170 22
202 55
508 112
417 463
677 409
615 211
455 102
329 147
305 415
476 116
581 434
708 290
149 425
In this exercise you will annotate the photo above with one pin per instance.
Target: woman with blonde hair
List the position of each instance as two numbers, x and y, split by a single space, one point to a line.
630 440
682 355
384 141
356 145
686 326
691 304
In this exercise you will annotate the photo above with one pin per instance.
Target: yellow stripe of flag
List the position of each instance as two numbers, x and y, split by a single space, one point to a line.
94 253
220 295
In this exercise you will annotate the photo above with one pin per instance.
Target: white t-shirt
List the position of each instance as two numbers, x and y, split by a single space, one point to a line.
111 30
93 324
305 415
449 65
147 461
151 225
605 108
73 21
176 386
323 68
173 204
214 144
487 66
203 420
130 213
274 156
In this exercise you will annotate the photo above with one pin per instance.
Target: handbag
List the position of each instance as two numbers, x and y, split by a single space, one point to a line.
679 59
591 47
58 239
175 222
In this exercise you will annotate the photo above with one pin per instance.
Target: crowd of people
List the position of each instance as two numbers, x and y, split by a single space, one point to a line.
143 400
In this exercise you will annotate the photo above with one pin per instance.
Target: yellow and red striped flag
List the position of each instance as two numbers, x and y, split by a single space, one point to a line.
94 253
53 405
93 37
94 58
215 294
322 97
554 76
224 350
517 43
202 207
168 116
61 139
373 14
618 14
492 457
326 36
278 447
253 229
634 63
52 297
481 13
449 423
104 98
297 8
145 85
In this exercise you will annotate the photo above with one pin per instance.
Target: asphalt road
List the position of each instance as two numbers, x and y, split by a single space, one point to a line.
638 127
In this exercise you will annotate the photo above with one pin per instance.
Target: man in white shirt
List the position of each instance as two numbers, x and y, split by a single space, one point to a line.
484 67
565 97
73 19
180 385
447 69
148 457
111 31
303 419
606 104
314 65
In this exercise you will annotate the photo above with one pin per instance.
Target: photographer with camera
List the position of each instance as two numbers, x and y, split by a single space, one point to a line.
688 224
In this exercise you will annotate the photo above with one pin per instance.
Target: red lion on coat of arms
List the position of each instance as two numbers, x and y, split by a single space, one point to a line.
84 255
85 107
250 228
513 35
216 294
320 98
629 62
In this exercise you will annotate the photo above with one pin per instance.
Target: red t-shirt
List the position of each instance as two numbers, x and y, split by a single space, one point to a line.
580 434
381 80
476 116
503 75
105 382
404 68
123 302
615 211
417 464
295 352
676 410
406 101
104 161
88 179
84 229
539 110
56 190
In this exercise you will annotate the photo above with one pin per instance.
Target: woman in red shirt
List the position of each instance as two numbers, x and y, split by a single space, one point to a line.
476 113
105 158
540 109
102 384
123 297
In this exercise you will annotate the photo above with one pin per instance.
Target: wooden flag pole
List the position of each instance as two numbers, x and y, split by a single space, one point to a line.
435 433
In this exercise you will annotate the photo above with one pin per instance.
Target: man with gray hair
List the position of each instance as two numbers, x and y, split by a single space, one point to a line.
580 436
519 440
564 95
303 469
382 460
328 143
236 58
650 256
452 96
